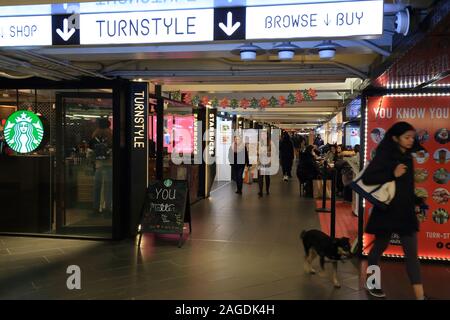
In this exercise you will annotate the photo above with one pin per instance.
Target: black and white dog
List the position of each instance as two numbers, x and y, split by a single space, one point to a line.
318 243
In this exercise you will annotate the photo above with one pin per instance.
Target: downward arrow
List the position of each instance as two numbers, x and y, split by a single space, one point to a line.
229 29
65 34
327 22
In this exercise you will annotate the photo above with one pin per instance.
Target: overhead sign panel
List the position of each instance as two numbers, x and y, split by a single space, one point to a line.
26 31
148 27
280 22
323 20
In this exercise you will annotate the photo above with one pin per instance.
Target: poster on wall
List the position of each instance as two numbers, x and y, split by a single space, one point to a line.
430 117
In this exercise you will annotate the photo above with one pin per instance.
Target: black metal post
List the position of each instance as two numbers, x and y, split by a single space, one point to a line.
333 205
324 190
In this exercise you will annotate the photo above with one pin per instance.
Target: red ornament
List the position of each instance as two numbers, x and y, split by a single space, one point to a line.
312 93
298 96
281 101
205 100
263 103
224 103
187 98
244 103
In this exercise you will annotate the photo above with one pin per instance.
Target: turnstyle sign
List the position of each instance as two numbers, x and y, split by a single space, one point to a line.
166 208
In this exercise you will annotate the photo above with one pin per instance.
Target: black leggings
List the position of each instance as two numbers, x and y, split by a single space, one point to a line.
409 244
261 182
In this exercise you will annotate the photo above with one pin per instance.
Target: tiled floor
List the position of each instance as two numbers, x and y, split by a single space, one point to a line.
241 247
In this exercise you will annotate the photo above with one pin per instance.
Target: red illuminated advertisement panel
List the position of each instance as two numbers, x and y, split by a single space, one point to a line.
430 116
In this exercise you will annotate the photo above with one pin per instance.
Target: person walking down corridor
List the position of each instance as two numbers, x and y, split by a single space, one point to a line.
264 165
238 157
393 162
286 156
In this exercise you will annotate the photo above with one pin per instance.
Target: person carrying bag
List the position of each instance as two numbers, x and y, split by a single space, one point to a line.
388 181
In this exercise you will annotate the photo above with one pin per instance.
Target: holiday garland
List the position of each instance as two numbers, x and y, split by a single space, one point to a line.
292 98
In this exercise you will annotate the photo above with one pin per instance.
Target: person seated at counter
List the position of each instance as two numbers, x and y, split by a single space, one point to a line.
307 170
332 156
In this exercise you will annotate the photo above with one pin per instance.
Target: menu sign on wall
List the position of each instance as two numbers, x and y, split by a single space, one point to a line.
431 118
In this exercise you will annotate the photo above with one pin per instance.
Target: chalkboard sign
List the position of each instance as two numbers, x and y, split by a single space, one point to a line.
166 208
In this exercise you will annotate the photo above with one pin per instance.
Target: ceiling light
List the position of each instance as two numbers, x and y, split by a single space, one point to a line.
248 52
327 50
286 50
402 22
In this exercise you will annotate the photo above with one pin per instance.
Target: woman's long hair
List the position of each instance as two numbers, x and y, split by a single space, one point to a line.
397 130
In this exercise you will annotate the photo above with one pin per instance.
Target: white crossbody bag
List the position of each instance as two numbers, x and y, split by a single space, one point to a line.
379 195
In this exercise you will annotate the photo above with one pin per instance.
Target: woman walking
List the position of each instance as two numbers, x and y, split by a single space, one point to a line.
264 165
286 155
238 157
393 162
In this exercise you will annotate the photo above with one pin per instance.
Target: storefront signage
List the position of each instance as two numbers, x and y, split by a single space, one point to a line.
211 133
23 131
166 207
138 141
341 19
139 115
288 21
431 117
147 27
26 31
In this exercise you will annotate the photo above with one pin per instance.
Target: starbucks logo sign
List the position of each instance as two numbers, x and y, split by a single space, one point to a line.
168 183
23 131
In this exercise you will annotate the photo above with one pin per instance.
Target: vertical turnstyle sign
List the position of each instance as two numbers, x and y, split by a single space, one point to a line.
139 150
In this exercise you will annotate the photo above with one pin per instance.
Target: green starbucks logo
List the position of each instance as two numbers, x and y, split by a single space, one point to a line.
168 183
23 131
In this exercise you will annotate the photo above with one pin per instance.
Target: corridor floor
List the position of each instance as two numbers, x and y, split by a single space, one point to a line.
241 247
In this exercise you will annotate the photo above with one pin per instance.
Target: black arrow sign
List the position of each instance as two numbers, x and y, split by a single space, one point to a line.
327 22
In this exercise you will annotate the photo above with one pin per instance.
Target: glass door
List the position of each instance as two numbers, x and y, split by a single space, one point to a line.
85 164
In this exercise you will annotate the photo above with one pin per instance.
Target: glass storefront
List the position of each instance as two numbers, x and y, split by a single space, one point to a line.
178 139
65 185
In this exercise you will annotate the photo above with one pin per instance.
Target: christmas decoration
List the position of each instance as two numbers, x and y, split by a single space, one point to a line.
299 96
254 103
234 103
176 95
195 100
273 102
312 93
187 98
244 103
263 103
214 102
224 103
205 100
282 101
291 98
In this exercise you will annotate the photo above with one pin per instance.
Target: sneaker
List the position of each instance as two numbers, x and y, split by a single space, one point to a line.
260 194
377 293
285 178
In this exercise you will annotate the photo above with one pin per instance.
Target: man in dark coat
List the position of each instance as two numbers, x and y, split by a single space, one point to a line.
286 156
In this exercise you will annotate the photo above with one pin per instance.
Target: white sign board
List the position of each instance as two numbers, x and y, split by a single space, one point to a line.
147 27
26 31
323 20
